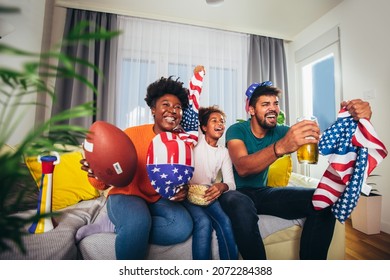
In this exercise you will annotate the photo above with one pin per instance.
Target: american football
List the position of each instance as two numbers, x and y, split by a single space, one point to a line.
111 154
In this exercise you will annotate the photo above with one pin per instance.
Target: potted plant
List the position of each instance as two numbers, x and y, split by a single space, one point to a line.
15 85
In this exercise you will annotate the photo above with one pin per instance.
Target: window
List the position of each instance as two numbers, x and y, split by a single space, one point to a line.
130 108
319 87
318 84
148 50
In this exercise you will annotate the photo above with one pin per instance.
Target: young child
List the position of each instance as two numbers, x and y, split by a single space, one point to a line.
210 159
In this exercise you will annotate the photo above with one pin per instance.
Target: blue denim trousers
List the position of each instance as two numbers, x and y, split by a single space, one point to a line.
138 223
205 219
244 205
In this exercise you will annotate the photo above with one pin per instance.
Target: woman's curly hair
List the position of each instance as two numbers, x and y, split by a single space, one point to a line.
166 86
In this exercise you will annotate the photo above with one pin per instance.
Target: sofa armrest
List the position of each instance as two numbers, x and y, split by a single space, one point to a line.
302 181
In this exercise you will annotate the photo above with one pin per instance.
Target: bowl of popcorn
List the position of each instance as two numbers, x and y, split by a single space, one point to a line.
196 194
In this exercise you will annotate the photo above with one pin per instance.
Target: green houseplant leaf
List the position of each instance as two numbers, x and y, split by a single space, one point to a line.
15 86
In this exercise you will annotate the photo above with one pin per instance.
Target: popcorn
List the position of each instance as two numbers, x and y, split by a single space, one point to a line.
196 194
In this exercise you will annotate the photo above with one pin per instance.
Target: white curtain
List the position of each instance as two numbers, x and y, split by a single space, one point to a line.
149 49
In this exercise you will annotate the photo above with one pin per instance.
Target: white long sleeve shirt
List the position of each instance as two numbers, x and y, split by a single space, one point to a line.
209 161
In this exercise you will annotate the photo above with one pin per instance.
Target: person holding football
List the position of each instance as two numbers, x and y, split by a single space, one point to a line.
137 212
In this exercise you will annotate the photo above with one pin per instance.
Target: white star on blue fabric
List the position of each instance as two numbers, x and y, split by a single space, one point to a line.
338 140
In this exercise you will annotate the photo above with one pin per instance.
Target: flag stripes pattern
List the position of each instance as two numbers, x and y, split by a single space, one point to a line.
168 148
353 151
169 163
188 130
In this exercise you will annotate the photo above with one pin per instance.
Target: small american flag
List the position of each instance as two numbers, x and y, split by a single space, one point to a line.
169 163
188 129
353 150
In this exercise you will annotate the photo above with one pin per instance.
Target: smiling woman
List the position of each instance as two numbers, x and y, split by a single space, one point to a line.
132 208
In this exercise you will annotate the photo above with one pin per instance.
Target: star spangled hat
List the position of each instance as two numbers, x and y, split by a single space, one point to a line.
169 163
251 89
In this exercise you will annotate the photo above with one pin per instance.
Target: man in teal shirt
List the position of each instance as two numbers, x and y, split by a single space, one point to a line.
253 146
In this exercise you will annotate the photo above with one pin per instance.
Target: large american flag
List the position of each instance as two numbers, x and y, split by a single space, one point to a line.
353 150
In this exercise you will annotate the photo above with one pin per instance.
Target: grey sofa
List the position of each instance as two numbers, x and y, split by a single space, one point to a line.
281 237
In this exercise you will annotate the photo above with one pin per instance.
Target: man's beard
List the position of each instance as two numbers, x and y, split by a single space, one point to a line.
264 124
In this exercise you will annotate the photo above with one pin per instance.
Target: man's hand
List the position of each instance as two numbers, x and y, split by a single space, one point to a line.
301 133
358 109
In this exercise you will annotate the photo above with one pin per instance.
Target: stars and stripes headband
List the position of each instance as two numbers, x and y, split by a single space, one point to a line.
252 88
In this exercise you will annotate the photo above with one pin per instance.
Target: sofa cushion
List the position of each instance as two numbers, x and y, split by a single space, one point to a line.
101 246
70 183
280 171
302 181
23 194
58 243
20 194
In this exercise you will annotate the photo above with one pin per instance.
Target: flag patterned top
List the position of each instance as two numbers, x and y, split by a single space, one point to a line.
169 163
170 157
353 150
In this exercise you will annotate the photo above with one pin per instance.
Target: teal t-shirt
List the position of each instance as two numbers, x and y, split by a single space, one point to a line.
242 131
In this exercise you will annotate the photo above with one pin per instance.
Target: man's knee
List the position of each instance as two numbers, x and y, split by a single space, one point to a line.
236 202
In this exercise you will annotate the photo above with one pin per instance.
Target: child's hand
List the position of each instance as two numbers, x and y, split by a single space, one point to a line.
199 68
215 191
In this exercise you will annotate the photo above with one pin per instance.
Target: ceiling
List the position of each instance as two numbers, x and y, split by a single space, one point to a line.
282 19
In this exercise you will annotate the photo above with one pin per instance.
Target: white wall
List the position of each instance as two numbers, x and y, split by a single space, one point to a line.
365 58
26 36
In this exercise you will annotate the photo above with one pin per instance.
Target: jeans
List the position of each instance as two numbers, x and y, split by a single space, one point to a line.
244 205
138 223
205 219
